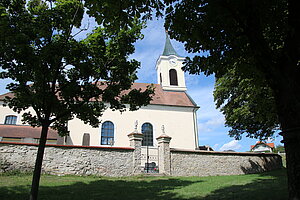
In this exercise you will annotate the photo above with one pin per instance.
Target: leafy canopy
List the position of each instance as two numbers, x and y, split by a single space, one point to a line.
242 43
61 76
249 107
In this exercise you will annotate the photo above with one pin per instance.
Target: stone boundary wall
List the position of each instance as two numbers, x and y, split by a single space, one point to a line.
203 163
119 161
63 160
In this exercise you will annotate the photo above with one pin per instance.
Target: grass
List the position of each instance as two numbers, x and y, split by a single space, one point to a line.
271 185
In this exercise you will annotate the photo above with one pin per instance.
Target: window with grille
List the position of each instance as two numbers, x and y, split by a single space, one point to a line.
147 131
107 133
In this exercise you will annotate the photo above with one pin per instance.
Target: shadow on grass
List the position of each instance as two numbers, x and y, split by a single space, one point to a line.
271 185
102 189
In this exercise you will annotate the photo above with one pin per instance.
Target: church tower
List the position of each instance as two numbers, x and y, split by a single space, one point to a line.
168 66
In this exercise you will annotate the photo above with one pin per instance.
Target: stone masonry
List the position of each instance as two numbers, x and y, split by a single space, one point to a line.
61 160
114 161
204 163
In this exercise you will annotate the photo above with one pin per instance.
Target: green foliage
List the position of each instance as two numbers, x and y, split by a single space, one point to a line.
60 76
117 13
279 149
222 29
248 106
256 45
247 46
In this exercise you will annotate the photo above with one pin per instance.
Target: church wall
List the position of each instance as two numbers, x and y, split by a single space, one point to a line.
178 122
5 111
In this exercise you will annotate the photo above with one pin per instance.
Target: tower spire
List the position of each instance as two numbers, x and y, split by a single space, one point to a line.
169 49
169 69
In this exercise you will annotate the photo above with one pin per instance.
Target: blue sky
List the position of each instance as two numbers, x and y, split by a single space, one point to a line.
211 127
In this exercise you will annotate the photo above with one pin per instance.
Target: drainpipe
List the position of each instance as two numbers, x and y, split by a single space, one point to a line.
196 127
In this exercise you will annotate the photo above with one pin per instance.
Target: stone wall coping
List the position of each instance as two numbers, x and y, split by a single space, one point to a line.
164 136
222 153
70 146
135 134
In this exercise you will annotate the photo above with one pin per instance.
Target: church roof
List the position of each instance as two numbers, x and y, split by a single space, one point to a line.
169 49
23 131
170 98
161 97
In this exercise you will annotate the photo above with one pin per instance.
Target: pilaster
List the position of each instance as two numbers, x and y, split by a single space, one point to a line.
135 140
164 156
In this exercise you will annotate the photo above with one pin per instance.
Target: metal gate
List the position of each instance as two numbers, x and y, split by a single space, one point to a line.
149 159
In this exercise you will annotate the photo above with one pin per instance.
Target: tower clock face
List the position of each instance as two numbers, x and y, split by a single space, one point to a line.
173 62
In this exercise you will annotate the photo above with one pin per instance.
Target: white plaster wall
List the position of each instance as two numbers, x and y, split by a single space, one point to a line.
5 111
163 66
261 147
178 122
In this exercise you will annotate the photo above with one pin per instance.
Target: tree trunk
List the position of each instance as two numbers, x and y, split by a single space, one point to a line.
38 164
288 107
291 140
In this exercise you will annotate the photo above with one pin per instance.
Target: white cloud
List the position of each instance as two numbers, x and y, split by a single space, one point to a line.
210 119
211 124
232 145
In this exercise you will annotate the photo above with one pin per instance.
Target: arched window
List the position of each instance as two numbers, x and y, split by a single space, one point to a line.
10 119
147 130
107 133
173 77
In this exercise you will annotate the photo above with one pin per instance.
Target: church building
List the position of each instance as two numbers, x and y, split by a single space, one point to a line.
172 112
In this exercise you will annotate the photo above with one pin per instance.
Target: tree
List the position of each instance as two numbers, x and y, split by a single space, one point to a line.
279 149
247 104
253 48
60 76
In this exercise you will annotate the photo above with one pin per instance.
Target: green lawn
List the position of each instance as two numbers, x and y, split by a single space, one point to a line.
271 185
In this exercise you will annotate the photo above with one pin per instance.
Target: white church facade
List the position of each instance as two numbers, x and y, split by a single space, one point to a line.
172 111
